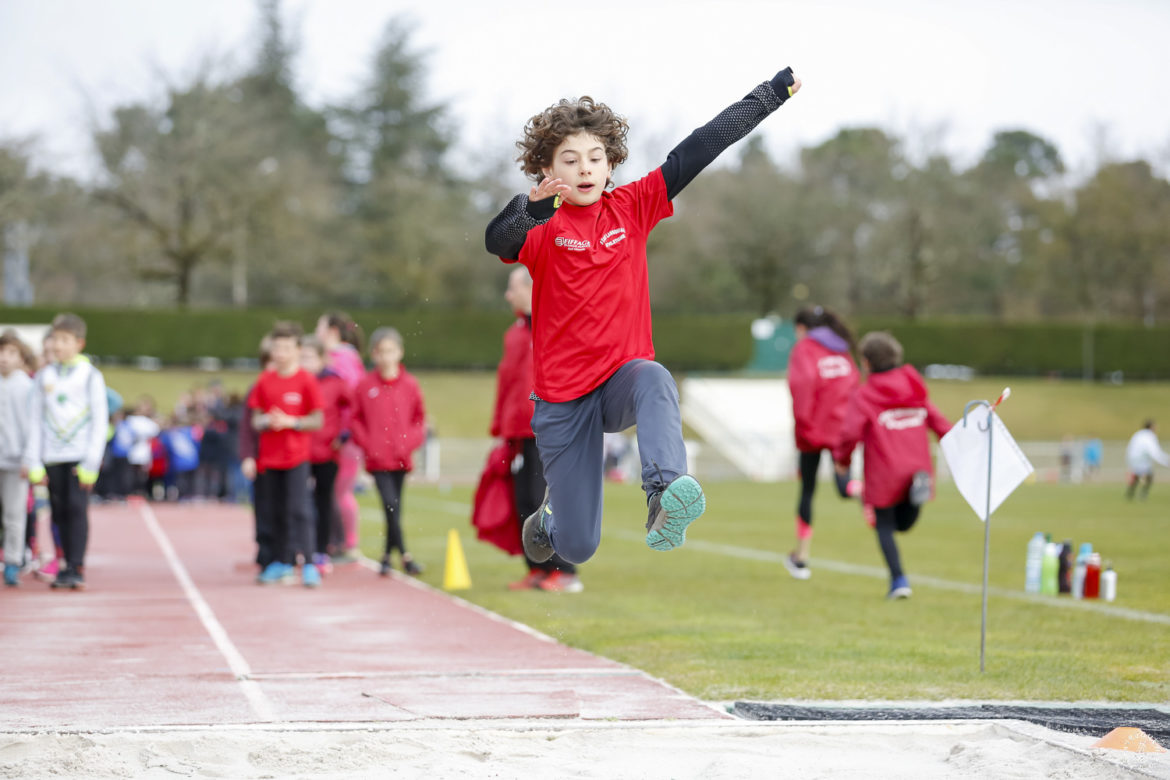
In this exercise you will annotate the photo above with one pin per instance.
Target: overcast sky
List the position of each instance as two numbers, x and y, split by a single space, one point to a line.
1064 69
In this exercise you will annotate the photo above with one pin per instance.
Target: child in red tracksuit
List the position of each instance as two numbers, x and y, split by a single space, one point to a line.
821 378
325 444
890 415
389 423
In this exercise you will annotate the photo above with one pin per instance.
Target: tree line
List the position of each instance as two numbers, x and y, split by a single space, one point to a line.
230 189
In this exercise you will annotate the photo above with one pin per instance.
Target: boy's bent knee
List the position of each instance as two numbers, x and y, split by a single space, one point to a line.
576 550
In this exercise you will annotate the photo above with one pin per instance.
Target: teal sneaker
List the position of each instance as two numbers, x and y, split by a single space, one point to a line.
671 511
311 576
537 544
274 572
11 575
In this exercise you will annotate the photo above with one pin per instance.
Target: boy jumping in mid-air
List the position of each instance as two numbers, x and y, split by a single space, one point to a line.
594 368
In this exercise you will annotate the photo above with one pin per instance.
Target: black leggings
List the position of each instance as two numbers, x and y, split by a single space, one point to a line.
324 477
899 517
528 482
390 489
810 463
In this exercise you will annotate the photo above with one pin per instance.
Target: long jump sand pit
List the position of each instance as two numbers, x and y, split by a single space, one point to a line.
1004 749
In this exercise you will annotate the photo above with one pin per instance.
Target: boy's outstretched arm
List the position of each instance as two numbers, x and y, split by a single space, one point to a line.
706 143
506 233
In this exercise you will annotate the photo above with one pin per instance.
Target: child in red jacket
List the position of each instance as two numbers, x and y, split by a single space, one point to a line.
389 423
890 415
325 445
821 378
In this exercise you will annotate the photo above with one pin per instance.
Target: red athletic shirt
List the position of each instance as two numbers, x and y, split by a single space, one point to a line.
590 294
512 418
336 402
297 395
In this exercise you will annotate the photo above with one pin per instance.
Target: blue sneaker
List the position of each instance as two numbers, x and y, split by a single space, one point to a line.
11 575
311 576
900 589
274 573
672 510
537 544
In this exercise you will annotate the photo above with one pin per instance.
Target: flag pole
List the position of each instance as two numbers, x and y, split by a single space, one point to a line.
986 518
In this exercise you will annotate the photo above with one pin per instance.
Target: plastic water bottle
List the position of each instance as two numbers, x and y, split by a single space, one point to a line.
1034 563
1064 576
1093 576
1108 583
1049 568
1078 580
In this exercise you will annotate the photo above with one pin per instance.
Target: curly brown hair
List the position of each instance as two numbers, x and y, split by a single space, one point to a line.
544 133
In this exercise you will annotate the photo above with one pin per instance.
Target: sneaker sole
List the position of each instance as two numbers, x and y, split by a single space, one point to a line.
536 553
682 503
899 593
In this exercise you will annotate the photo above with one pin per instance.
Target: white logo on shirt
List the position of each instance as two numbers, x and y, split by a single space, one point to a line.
901 419
614 236
573 244
292 398
834 367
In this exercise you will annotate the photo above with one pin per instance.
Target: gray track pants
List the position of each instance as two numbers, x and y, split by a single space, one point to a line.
14 504
569 436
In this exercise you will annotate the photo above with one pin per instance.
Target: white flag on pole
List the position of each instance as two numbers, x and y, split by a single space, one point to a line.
965 450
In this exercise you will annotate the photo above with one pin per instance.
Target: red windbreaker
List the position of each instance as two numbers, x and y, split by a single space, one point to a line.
512 418
336 402
389 421
889 415
821 379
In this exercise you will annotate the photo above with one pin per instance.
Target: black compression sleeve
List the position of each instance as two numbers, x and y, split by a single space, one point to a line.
700 148
506 233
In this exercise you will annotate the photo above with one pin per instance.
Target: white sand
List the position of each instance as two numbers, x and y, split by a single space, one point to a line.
540 749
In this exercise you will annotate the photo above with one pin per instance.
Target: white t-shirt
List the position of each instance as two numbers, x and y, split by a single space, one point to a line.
1142 451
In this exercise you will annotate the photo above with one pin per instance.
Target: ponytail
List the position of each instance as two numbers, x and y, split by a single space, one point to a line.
820 317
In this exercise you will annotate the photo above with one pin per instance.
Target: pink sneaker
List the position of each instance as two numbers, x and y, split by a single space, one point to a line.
48 571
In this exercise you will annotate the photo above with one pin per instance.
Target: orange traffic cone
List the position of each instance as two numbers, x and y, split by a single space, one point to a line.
1128 738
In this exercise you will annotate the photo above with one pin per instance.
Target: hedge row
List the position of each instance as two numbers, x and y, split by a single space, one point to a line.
437 338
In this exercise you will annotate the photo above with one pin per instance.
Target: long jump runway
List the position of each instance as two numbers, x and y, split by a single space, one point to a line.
173 630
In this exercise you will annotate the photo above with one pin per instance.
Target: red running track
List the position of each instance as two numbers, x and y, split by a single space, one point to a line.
173 630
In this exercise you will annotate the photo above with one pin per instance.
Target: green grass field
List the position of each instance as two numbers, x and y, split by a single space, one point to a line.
721 619
460 403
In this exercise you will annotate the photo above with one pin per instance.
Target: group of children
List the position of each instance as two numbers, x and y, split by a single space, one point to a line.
307 407
299 435
890 415
54 420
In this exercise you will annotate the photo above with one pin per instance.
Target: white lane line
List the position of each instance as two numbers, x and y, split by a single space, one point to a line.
875 572
239 667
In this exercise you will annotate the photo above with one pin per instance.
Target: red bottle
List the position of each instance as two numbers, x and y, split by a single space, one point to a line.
1093 577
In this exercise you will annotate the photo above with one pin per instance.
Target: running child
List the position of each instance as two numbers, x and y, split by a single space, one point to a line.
389 423
592 344
70 419
889 415
1141 453
821 378
286 407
